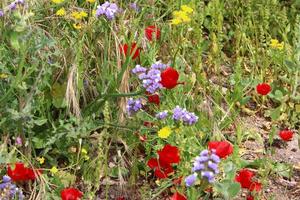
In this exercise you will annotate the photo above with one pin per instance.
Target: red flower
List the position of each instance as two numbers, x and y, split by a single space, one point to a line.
286 135
255 186
70 194
169 78
263 88
161 170
244 178
152 33
223 148
153 98
120 198
169 154
178 196
134 50
22 173
249 197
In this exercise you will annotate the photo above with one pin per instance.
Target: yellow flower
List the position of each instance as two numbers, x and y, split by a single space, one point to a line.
186 9
79 15
53 170
181 16
3 76
83 14
77 26
276 45
90 1
57 1
94 12
61 12
41 160
176 21
164 132
84 151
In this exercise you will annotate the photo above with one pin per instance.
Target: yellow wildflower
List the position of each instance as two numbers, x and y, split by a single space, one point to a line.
164 132
77 26
94 12
83 14
41 160
53 170
186 9
91 1
276 45
3 76
79 15
61 12
57 1
84 151
176 21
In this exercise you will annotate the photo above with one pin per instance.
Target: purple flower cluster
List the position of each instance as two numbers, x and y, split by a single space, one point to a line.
1 13
9 190
182 114
107 9
150 77
133 105
162 115
134 6
207 165
13 5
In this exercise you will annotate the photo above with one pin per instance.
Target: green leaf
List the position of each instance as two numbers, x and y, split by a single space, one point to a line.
234 189
14 41
40 122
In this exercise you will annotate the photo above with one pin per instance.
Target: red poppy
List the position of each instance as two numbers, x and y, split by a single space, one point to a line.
244 178
255 186
120 198
286 135
249 197
161 170
263 88
169 154
178 196
22 173
134 50
152 33
154 98
223 148
70 194
169 78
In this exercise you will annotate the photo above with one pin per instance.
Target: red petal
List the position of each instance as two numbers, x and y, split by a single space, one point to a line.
152 163
250 197
169 154
223 148
154 99
244 178
178 196
263 88
286 135
169 78
70 194
134 50
255 186
152 32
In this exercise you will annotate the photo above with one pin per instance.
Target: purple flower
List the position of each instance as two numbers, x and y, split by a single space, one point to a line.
19 141
182 114
133 105
134 6
9 190
21 2
207 165
1 13
12 6
162 115
107 9
209 175
190 180
138 69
